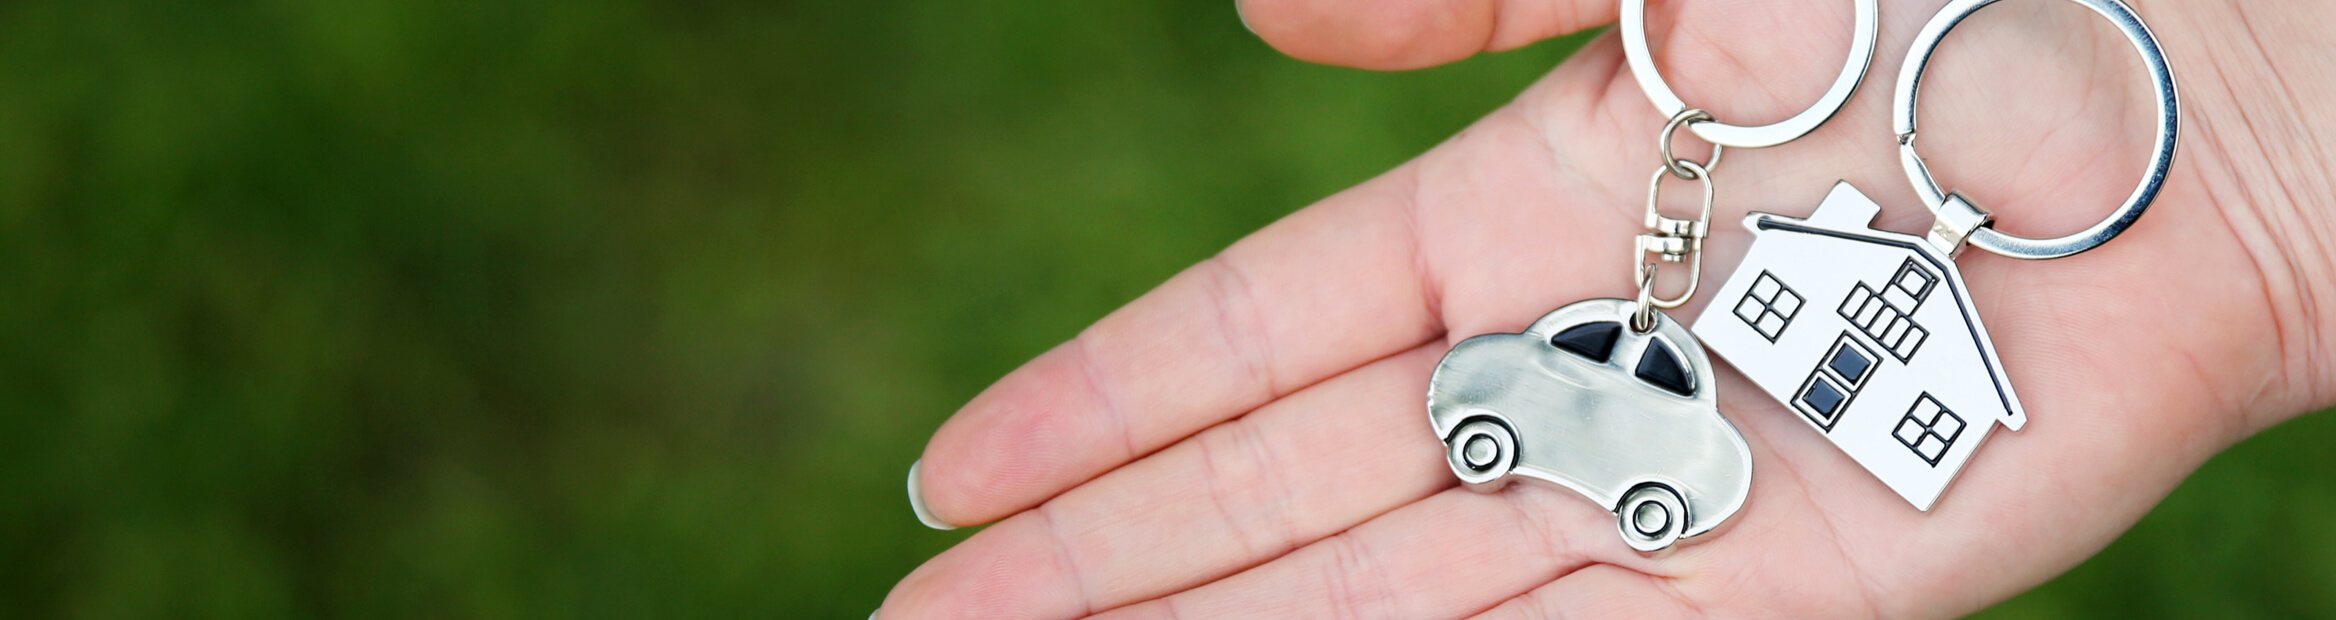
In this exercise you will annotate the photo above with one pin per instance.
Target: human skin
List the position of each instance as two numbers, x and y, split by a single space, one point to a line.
1249 439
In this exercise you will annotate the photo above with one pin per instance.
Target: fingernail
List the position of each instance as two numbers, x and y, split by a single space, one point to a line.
872 614
1237 12
916 500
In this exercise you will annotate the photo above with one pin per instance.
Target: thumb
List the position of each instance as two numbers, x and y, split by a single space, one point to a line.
1411 34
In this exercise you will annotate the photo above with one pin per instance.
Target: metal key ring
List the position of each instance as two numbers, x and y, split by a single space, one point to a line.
1853 71
1960 214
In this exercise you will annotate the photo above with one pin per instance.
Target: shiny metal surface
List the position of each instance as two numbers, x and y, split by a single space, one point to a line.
1904 101
1647 515
1853 71
1481 452
1870 337
1672 241
1594 426
1953 224
1674 162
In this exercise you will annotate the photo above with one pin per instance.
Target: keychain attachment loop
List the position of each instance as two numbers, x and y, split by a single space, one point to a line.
1671 241
1959 221
1642 314
1687 117
1853 71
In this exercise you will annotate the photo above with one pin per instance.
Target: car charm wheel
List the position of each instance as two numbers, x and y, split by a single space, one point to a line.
1651 517
1482 452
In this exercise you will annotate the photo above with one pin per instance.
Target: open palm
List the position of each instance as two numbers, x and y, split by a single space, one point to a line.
1250 439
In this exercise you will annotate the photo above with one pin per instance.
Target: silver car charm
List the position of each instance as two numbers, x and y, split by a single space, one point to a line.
1870 336
1580 399
1610 397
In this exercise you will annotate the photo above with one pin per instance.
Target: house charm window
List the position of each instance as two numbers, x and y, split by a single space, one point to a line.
1846 368
1929 429
1769 307
1887 316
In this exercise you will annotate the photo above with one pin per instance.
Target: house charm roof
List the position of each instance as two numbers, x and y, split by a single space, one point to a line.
1870 337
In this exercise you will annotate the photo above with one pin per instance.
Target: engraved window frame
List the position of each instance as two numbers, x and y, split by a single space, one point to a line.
1930 281
1845 341
1800 402
1946 442
1910 340
1841 385
1769 306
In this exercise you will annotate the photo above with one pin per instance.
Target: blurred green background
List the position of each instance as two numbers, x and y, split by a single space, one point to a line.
425 308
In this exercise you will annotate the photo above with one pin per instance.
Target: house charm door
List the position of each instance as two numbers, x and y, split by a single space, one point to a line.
1870 336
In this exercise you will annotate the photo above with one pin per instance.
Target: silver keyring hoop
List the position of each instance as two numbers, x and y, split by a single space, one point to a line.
1987 238
1853 71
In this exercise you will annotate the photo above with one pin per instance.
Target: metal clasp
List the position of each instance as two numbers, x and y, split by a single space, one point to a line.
1675 240
1670 241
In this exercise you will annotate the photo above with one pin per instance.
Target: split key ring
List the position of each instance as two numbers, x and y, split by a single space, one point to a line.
1961 222
1853 71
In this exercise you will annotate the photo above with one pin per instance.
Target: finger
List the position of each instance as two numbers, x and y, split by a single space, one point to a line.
1450 555
1320 292
1410 34
1598 591
1243 492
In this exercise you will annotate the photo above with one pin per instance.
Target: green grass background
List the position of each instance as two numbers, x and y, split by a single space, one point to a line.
590 308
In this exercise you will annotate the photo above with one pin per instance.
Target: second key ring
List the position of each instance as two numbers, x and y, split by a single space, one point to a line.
1964 222
1853 71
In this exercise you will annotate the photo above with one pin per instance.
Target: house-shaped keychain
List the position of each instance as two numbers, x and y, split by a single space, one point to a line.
1868 336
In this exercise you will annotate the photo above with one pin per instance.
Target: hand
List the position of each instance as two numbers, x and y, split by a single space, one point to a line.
1250 439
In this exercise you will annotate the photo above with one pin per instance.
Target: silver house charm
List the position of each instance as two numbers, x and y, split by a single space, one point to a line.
1870 337
1580 399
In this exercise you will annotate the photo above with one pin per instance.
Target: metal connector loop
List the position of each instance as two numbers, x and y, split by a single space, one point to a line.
1687 118
1670 241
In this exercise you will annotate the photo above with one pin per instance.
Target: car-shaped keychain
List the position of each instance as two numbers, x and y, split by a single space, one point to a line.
1584 401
